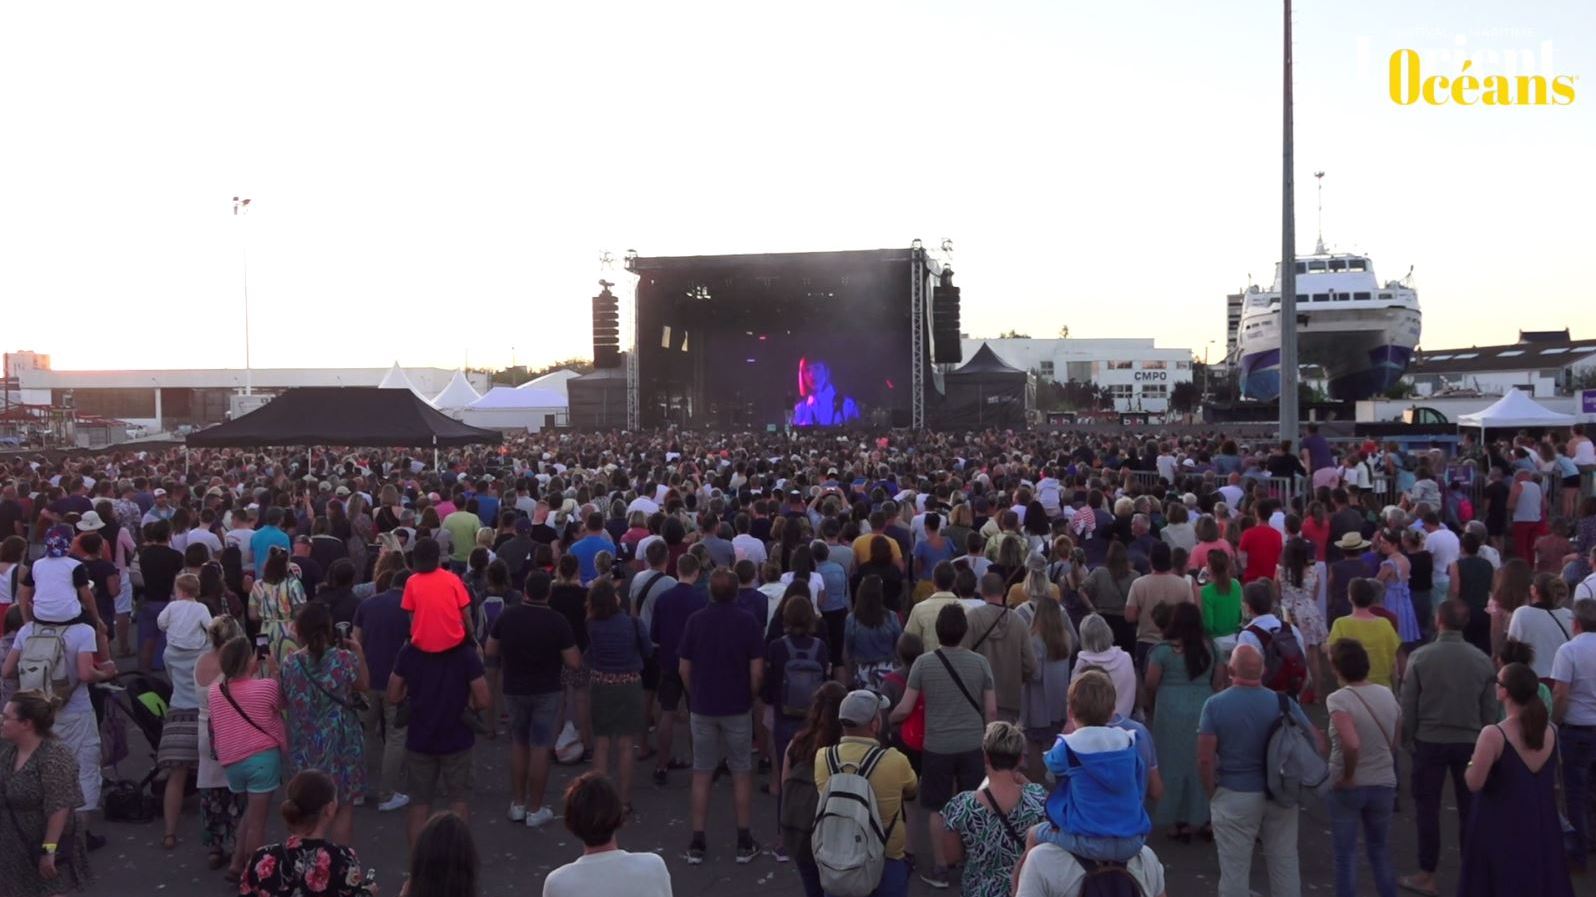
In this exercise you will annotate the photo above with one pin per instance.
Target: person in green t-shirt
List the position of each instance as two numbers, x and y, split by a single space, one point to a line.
1221 597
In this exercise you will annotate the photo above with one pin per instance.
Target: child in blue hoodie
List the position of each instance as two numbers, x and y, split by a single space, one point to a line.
1096 809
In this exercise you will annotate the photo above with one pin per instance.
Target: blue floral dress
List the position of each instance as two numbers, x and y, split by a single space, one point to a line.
324 731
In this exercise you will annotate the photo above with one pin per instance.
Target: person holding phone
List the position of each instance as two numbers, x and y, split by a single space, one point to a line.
322 685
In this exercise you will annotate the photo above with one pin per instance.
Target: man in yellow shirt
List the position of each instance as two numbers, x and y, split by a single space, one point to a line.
1377 634
922 620
893 780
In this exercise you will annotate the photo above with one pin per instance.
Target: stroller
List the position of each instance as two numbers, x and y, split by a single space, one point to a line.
141 699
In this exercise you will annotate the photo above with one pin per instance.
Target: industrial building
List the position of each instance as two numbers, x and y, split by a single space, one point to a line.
168 399
1138 374
1542 363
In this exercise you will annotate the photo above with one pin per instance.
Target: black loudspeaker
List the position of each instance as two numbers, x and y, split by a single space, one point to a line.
606 329
945 321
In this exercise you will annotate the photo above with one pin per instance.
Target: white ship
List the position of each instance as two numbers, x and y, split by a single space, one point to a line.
1362 333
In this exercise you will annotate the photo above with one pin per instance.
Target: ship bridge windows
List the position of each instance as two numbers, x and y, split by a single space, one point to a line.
1360 296
1385 295
1302 267
1357 264
1321 297
1316 266
1337 265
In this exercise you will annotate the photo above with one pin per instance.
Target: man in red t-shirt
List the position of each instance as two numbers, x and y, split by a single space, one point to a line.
1261 545
437 601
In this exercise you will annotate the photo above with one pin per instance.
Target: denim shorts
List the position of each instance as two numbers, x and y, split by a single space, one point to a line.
717 738
256 774
532 718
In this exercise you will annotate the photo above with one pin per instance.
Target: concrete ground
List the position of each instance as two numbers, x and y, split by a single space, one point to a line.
515 859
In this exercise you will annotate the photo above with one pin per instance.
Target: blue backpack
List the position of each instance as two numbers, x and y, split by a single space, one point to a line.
801 676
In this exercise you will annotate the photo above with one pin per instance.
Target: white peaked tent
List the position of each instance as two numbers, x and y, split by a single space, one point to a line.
512 408
1515 409
457 395
396 379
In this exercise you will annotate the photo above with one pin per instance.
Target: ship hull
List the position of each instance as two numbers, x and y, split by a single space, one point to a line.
1363 353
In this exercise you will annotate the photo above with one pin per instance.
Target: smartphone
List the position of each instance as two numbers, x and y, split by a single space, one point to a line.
343 631
263 645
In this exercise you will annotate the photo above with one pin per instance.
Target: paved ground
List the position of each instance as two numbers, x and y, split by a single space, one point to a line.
515 859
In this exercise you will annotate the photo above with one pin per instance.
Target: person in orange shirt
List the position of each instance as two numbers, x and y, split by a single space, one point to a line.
437 601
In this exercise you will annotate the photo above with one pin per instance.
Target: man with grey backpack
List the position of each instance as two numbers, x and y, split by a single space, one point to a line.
1258 756
859 838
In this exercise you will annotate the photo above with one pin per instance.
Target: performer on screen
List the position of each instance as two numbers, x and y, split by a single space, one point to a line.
819 403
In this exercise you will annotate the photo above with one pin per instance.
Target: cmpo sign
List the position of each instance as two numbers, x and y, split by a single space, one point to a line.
1151 375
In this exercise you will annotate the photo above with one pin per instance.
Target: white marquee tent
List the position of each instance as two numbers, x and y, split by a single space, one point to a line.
457 395
396 379
513 408
1515 409
553 380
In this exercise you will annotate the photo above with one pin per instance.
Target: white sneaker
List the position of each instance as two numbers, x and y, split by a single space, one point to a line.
398 801
517 812
540 817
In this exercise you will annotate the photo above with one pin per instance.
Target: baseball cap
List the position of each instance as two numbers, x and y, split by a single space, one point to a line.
159 492
860 706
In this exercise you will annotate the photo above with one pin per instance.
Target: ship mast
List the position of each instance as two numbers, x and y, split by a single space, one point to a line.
1318 248
1288 252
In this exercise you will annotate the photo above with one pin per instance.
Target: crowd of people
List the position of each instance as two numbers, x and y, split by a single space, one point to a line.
1035 654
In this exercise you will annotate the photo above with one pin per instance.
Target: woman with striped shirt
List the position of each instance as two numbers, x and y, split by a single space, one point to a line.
249 739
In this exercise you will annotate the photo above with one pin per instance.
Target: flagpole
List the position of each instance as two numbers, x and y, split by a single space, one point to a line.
240 210
1288 254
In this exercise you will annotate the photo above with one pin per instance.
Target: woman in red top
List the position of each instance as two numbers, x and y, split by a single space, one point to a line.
1316 528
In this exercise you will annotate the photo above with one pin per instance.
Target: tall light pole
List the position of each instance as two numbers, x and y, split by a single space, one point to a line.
241 211
1288 255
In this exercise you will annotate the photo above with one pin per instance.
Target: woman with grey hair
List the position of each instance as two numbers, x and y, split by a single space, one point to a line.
985 827
1098 650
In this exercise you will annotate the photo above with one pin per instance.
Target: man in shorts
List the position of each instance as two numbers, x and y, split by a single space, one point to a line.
439 686
533 641
722 659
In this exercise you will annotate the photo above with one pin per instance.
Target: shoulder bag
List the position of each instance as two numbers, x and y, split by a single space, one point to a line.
952 674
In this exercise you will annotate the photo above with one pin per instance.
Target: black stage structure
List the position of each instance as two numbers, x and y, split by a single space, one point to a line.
766 341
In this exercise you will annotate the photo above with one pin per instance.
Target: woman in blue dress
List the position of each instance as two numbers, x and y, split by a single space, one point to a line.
1393 575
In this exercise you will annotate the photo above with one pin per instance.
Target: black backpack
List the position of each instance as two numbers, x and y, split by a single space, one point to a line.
1107 879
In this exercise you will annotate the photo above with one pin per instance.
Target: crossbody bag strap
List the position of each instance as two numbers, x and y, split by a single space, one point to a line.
1389 740
982 639
1003 818
319 687
959 682
1566 636
229 696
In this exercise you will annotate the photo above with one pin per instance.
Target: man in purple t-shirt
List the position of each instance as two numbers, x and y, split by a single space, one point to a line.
722 658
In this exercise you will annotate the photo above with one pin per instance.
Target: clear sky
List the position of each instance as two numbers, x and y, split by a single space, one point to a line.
433 183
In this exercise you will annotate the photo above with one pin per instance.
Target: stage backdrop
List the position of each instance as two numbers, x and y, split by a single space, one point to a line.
752 341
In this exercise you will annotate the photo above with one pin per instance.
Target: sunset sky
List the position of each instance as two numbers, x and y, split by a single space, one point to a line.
434 184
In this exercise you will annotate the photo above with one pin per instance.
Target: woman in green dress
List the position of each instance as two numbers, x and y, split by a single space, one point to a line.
1221 597
1183 671
44 852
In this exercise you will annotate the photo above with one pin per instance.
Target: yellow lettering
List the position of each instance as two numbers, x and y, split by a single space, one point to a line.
1435 90
1497 91
1404 61
1465 85
1563 90
1525 83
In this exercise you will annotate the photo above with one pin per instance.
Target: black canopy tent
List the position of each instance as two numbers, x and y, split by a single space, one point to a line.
985 392
344 415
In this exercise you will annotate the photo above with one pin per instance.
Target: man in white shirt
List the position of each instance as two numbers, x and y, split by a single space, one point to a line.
746 547
1444 548
1232 492
1574 711
593 813
1586 588
1477 527
1051 871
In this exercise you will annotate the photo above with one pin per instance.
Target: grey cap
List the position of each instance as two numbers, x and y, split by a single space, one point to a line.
860 706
